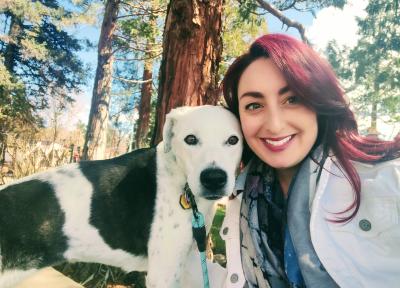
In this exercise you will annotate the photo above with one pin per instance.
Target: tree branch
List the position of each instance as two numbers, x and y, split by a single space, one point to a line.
132 81
138 59
285 20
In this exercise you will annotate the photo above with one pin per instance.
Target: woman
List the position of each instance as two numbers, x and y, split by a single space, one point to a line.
320 204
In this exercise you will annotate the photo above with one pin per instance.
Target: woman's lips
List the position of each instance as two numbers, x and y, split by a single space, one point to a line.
278 144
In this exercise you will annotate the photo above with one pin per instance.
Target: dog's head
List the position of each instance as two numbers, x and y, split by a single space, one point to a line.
206 143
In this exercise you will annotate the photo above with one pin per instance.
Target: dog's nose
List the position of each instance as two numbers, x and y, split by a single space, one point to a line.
213 178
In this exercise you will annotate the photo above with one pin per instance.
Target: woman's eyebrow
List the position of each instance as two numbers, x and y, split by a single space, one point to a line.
253 94
256 94
284 90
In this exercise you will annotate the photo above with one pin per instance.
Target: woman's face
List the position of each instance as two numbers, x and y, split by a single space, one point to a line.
278 128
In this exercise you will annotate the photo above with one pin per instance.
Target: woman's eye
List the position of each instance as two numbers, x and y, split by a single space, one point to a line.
293 100
191 139
252 106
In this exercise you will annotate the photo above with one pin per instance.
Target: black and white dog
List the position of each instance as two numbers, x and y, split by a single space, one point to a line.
123 211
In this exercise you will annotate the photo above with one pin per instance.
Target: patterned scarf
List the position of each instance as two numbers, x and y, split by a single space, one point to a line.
262 263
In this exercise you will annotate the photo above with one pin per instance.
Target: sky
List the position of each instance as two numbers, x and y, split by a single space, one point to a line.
330 23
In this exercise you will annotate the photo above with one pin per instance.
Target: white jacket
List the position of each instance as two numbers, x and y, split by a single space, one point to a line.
365 252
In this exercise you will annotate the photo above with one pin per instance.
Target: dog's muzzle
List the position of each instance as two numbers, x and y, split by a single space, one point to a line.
214 180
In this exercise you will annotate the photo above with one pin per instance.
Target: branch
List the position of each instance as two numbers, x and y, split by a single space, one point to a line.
124 109
131 81
138 59
146 10
285 20
137 41
291 5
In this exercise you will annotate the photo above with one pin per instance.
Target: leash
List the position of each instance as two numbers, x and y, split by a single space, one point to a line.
198 228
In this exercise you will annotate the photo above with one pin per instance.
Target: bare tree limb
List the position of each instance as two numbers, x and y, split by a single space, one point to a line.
132 81
285 20
138 58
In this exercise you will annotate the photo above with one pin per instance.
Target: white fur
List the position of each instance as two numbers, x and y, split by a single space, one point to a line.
9 278
178 163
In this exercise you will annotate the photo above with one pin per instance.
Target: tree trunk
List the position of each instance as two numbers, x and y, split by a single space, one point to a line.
145 100
96 135
10 52
373 129
192 47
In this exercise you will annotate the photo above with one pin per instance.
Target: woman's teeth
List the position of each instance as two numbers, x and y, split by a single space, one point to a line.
279 142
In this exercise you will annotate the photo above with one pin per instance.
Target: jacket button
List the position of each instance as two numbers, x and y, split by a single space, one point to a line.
234 278
225 231
365 225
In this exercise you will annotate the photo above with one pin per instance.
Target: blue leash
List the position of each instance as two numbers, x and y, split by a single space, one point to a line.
199 234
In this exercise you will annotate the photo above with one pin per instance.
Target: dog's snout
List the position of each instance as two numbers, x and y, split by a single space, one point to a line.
213 178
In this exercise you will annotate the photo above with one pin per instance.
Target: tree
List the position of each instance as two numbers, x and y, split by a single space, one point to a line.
192 48
38 60
139 36
239 29
143 122
96 136
371 73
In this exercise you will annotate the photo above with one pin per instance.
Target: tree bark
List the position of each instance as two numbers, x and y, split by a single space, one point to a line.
192 47
143 121
96 135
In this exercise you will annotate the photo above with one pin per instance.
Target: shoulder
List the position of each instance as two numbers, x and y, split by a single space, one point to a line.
383 176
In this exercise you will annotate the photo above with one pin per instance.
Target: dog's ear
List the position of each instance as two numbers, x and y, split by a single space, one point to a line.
168 132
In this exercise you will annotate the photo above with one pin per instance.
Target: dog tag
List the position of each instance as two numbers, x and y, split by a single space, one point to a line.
183 201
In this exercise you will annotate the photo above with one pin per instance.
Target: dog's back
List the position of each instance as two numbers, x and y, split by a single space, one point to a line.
91 211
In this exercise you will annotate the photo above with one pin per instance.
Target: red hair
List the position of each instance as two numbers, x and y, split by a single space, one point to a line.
312 79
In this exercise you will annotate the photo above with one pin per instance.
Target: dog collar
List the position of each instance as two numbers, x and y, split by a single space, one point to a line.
186 199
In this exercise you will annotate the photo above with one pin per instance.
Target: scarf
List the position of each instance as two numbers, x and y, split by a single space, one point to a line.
262 264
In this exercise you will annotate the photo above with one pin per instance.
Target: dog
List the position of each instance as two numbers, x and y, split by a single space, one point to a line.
124 211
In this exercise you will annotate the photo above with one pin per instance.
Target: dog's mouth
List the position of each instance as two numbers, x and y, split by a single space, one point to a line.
213 197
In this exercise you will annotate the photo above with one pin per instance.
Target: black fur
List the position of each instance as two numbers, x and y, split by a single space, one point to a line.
124 198
32 220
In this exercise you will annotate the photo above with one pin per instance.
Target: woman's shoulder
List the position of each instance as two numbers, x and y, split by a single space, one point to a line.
376 179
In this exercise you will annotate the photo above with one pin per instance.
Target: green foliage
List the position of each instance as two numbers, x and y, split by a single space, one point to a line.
371 72
38 60
240 28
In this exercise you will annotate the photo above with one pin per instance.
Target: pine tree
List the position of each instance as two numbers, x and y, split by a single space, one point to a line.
371 72
96 135
38 60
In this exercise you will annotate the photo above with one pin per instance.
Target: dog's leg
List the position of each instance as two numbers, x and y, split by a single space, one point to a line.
168 248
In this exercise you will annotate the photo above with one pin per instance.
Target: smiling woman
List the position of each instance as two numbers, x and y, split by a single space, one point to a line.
277 126
310 177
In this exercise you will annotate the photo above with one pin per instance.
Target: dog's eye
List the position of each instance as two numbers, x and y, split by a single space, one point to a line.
191 140
232 140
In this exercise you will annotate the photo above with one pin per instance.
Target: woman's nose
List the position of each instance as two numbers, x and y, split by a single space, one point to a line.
273 121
